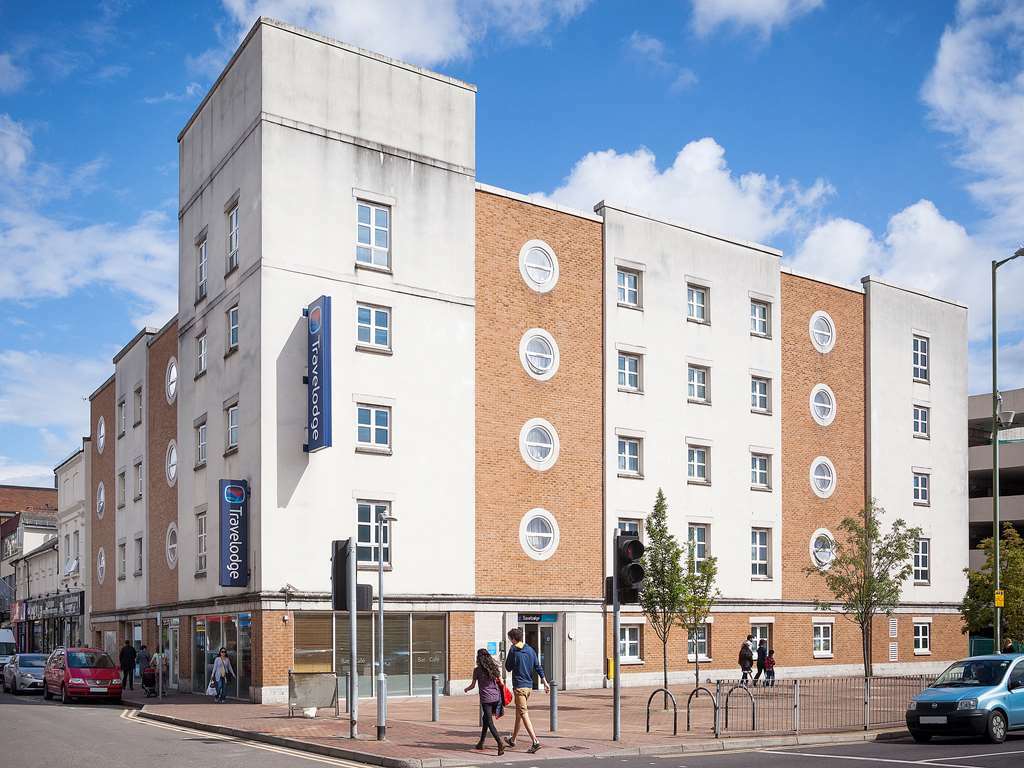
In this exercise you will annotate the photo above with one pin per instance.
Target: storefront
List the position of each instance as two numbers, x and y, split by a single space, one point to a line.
541 632
232 631
51 622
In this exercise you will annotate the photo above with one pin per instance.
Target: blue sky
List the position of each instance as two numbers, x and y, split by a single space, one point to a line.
872 137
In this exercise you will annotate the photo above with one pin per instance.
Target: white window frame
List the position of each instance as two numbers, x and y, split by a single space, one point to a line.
201 354
232 238
201 444
171 547
823 493
625 457
760 471
371 326
625 295
922 638
762 630
922 561
698 311
376 549
101 434
201 541
698 464
122 560
828 418
122 488
232 328
370 254
202 270
812 549
922 483
827 345
101 500
540 286
821 640
122 417
137 403
536 371
921 356
171 463
698 646
629 380
138 556
526 444
171 381
139 480
757 383
232 429
694 386
101 565
760 326
922 422
760 554
631 526
700 548
372 426
629 639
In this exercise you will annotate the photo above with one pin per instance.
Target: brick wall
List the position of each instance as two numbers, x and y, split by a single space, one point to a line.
162 504
803 439
461 645
272 647
506 397
101 533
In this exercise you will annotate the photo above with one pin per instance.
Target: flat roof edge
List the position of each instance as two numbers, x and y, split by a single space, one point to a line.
924 294
834 283
488 188
104 385
145 331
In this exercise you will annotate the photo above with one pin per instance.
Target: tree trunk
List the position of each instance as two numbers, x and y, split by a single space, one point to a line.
865 635
664 669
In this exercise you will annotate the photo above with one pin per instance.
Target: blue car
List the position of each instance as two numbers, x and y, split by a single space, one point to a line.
979 696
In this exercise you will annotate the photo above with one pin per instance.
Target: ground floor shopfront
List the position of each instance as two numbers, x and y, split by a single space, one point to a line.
44 623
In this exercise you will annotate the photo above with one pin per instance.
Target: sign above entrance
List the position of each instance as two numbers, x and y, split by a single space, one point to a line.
538 618
318 375
234 533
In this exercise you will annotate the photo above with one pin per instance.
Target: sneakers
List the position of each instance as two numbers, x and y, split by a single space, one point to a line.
534 749
501 749
510 741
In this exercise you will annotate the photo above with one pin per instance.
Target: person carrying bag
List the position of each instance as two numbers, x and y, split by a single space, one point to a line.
221 670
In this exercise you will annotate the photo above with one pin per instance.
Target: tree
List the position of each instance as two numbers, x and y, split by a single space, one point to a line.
662 594
699 595
867 571
978 606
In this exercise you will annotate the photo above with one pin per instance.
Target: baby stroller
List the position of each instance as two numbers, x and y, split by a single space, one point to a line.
149 681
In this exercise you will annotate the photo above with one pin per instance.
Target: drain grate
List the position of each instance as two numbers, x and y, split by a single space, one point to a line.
574 748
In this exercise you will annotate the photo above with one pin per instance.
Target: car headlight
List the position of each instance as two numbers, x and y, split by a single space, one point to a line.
967 704
911 706
77 681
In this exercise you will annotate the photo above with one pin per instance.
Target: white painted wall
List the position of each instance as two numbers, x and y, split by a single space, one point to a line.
894 316
72 477
669 257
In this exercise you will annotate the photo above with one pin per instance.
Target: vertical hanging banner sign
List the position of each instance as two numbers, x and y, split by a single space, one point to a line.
234 533
318 375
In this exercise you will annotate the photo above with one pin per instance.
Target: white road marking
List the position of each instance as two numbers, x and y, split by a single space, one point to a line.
132 716
821 755
971 757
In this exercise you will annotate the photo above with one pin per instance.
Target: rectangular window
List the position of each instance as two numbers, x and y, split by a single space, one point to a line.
201 445
697 303
922 419
697 383
201 542
822 640
232 333
368 549
373 426
629 456
629 526
202 267
760 395
921 353
200 354
759 553
373 326
232 260
629 372
628 287
138 481
232 424
761 632
697 463
122 418
760 471
137 410
922 638
138 555
629 642
697 536
922 561
122 560
760 318
697 643
66 559
122 489
922 494
75 552
373 234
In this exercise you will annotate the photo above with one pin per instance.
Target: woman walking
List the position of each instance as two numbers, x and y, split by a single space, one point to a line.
221 669
492 703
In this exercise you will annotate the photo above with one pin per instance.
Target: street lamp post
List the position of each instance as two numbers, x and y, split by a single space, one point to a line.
996 402
382 683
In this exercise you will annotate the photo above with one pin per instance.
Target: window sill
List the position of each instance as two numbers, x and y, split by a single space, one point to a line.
922 437
200 574
760 412
198 300
373 268
231 267
761 578
199 375
756 335
230 450
137 574
695 321
200 465
761 488
121 505
630 475
374 350
695 401
637 307
631 662
374 451
137 498
120 434
706 483
372 566
630 391
921 381
703 659
230 352
820 655
922 583
136 423
120 578
922 653
922 503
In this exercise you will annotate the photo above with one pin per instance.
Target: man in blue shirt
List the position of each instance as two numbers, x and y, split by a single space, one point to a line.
523 663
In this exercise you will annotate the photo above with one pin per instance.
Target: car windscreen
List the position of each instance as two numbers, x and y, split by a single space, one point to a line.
89 660
964 674
35 660
6 649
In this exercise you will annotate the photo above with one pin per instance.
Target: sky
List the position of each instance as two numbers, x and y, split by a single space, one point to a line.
859 137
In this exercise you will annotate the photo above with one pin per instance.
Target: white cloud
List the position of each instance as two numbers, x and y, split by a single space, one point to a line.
763 15
112 71
191 91
654 53
12 77
15 146
21 473
698 188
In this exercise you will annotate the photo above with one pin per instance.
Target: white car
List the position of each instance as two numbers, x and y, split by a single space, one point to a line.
24 672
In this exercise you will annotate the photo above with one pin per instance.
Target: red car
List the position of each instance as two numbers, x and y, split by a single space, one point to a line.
86 673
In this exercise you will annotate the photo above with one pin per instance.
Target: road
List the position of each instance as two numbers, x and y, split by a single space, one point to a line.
40 734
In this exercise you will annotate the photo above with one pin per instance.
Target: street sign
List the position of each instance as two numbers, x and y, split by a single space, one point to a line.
1000 598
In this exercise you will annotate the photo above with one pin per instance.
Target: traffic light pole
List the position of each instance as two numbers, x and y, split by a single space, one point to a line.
616 692
353 677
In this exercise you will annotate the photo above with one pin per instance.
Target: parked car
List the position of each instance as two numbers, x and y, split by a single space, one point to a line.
7 646
979 696
86 673
24 672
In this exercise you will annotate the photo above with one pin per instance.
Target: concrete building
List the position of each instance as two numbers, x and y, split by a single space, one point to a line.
511 381
29 541
13 500
73 546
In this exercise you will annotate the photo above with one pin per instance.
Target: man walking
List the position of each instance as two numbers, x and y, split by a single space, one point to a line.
143 659
522 662
127 659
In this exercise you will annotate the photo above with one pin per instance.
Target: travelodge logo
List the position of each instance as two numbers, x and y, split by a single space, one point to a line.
318 375
314 320
234 533
234 494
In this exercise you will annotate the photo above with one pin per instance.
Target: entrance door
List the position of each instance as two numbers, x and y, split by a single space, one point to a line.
543 639
171 654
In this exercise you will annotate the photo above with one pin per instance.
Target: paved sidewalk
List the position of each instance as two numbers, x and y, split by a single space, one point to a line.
584 729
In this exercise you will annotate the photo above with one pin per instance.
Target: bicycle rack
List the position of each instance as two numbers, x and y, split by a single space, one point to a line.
695 692
753 705
675 711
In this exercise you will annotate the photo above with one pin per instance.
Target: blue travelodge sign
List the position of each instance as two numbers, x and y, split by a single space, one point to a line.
318 375
234 533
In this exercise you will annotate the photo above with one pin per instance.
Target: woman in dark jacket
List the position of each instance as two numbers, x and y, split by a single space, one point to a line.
762 657
746 662
487 676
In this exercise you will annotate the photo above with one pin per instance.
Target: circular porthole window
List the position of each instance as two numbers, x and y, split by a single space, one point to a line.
823 404
538 353
171 463
823 477
101 434
171 380
823 331
538 265
101 500
171 545
823 549
101 565
538 534
538 444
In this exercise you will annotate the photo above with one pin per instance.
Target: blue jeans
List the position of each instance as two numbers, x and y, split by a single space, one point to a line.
222 684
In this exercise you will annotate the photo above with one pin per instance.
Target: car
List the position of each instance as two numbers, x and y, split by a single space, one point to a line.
977 696
81 673
24 672
7 646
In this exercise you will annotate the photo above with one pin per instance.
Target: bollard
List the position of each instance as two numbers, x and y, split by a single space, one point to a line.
435 703
796 706
554 707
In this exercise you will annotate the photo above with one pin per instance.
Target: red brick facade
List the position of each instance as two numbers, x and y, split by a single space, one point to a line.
102 535
162 498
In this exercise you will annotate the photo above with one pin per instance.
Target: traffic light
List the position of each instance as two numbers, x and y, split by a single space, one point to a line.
628 551
341 551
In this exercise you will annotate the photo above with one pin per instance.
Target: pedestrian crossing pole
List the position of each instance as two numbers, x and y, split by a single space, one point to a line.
616 692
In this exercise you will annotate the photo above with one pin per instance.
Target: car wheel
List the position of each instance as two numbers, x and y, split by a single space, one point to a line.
64 698
46 692
997 727
15 690
921 738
